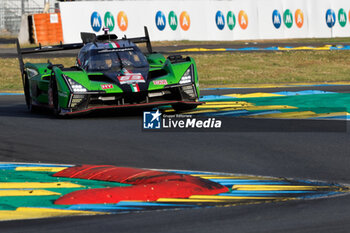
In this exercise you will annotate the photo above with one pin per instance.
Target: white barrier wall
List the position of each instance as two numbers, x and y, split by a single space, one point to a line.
209 20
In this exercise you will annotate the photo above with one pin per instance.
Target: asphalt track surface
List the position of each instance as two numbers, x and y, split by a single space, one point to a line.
118 140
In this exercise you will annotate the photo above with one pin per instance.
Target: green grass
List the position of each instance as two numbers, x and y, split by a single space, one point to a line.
278 67
10 75
236 68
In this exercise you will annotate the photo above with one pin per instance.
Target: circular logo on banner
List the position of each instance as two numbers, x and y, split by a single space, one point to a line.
172 19
185 21
243 19
330 18
276 19
160 21
122 20
109 21
299 18
231 20
96 21
342 17
220 20
288 18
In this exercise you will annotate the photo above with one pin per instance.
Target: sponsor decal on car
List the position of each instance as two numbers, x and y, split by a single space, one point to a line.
107 86
131 78
160 82
135 87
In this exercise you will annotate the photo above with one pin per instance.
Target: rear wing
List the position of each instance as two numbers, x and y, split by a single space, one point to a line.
88 37
144 39
42 49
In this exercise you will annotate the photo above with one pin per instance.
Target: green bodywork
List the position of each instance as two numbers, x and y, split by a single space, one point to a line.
39 76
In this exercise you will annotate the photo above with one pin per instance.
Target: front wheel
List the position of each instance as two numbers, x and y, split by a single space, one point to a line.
53 96
28 98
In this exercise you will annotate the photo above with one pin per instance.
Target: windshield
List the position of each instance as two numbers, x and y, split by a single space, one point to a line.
115 59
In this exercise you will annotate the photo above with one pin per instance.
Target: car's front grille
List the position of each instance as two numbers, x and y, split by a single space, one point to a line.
178 93
132 98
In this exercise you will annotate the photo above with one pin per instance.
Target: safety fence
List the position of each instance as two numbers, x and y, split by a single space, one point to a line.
11 12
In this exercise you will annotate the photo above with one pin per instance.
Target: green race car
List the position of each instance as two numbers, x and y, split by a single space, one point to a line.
109 73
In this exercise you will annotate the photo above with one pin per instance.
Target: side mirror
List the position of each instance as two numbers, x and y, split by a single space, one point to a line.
50 66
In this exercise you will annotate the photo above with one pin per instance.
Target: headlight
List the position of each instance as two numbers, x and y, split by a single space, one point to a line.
187 77
75 86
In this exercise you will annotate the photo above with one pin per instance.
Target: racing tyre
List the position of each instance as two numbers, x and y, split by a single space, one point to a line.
28 98
54 98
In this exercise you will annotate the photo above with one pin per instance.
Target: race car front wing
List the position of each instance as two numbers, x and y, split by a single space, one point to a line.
176 94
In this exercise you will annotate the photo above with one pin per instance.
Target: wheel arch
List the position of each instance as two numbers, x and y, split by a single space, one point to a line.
63 91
